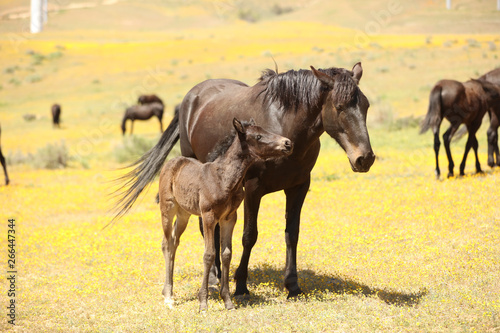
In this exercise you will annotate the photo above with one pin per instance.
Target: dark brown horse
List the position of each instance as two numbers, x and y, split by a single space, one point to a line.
214 191
460 103
300 105
142 112
56 115
492 134
2 161
148 99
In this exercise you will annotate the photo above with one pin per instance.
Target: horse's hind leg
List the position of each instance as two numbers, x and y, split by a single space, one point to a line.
226 230
437 143
447 139
208 257
471 143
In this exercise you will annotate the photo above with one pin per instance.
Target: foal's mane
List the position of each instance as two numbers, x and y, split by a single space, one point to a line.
294 88
223 145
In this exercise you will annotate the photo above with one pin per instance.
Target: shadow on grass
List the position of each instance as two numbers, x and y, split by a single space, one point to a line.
317 286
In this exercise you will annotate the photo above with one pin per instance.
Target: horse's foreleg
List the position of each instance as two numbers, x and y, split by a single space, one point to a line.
437 144
492 134
294 199
446 140
4 166
250 233
208 257
161 125
226 230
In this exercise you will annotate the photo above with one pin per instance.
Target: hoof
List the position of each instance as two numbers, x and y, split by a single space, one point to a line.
169 303
294 294
241 291
242 297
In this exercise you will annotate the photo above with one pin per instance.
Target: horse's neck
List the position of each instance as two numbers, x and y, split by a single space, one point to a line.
234 164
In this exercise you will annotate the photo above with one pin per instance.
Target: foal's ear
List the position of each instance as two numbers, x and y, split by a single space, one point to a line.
238 126
325 79
357 72
251 122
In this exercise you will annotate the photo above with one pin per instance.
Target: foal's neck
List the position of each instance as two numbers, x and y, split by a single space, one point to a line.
234 164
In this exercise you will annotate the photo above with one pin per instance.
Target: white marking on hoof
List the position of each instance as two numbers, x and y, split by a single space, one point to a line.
169 303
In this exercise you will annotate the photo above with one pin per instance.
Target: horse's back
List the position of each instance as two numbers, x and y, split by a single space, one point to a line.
492 76
206 114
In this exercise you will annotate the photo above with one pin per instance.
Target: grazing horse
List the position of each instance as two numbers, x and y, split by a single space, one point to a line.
2 161
214 191
142 112
148 99
460 103
492 133
300 105
56 115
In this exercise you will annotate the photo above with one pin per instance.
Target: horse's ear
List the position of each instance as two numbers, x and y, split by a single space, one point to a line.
325 79
251 122
238 126
357 72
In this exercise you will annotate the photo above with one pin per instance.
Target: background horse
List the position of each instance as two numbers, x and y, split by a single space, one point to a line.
492 134
300 105
148 99
213 190
2 161
56 115
460 103
142 112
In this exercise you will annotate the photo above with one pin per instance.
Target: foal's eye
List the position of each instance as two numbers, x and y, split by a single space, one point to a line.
259 137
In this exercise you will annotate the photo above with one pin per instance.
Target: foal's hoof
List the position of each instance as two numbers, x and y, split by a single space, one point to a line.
169 303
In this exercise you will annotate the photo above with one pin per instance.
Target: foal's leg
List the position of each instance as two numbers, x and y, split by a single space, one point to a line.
208 257
215 271
294 199
447 139
161 125
170 243
226 230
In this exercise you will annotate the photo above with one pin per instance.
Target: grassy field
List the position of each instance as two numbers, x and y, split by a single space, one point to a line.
393 250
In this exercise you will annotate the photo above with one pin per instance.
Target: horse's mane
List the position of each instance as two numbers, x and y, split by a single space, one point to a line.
293 88
223 145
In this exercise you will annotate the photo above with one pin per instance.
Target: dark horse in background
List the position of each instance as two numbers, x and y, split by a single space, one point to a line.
300 105
460 103
493 152
56 115
142 112
148 99
2 161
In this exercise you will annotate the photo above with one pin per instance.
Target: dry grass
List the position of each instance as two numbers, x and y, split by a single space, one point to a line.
392 250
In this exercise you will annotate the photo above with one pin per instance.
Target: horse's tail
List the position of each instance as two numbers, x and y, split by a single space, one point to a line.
433 117
146 168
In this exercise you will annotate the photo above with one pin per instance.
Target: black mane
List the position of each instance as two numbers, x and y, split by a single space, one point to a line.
223 145
294 88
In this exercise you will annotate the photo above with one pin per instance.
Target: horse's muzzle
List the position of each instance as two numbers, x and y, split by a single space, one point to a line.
364 162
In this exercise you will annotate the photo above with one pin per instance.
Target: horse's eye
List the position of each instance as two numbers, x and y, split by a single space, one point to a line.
259 137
